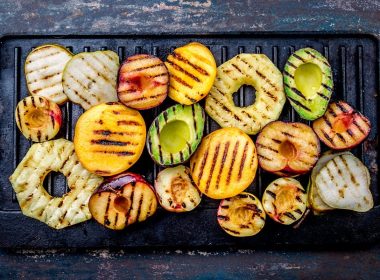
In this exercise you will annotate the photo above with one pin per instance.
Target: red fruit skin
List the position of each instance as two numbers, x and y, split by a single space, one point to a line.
56 114
117 182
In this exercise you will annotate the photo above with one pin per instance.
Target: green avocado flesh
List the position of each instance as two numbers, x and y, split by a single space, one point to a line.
308 83
308 78
175 134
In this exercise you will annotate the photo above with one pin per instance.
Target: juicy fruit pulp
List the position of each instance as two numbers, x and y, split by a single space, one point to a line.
308 78
342 127
175 189
38 118
27 182
109 138
43 72
284 200
174 136
308 83
258 71
225 163
192 71
242 215
123 200
287 149
143 82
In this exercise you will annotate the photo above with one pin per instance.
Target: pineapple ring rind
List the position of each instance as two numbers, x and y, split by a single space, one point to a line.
258 71
27 181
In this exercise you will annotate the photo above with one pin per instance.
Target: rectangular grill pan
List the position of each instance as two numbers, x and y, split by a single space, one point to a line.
355 62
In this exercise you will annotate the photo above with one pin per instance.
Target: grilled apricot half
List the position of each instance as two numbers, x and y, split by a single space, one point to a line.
109 138
225 163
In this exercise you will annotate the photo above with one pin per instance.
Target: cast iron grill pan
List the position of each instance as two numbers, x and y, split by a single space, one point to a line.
355 62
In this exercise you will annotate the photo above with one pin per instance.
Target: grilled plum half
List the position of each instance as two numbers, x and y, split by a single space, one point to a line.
287 149
38 118
241 215
143 82
109 138
342 127
176 190
225 163
192 70
284 200
123 200
175 134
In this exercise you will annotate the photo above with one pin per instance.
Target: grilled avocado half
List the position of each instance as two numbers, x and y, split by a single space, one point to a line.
308 83
175 134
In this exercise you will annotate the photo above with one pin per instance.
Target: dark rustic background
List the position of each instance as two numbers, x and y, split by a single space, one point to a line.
184 16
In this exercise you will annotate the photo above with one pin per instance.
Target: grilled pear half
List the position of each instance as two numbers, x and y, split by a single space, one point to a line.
43 72
35 202
225 163
90 78
258 71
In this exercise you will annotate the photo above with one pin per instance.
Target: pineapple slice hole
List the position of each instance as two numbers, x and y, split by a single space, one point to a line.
308 78
174 136
249 96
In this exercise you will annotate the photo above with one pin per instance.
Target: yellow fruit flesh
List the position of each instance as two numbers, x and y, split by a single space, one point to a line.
308 78
37 117
288 150
285 199
174 135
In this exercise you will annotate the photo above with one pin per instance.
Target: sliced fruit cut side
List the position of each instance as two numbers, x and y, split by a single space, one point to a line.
225 163
343 183
90 78
284 200
241 215
176 190
43 72
175 134
192 70
143 82
35 202
109 138
308 83
342 127
258 71
123 200
38 118
287 149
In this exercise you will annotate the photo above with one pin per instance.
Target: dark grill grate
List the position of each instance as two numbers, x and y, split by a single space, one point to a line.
355 63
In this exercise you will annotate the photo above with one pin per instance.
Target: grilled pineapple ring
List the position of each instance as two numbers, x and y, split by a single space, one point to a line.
246 69
36 202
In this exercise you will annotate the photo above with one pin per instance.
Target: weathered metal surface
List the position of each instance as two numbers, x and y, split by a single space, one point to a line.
75 16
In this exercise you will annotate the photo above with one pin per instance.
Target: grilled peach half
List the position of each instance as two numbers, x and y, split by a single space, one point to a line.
38 118
241 215
342 127
143 82
176 190
109 138
123 200
287 149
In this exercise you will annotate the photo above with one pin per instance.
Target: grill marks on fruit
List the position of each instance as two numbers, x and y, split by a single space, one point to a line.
300 104
197 68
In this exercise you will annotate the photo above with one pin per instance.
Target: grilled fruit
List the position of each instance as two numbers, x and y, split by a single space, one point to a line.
315 201
257 71
175 134
192 70
90 78
242 215
38 118
143 82
123 200
308 83
343 183
176 190
342 127
225 163
287 149
43 72
284 200
109 138
35 202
